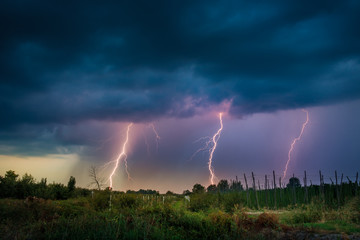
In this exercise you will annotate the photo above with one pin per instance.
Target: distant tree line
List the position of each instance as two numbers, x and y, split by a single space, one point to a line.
234 186
13 186
142 191
222 187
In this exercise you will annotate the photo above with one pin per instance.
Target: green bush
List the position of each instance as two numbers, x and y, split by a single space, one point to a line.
200 202
351 211
306 214
222 222
125 201
100 200
230 200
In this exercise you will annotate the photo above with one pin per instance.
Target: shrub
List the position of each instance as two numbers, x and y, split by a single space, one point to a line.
307 214
100 200
221 221
230 200
243 221
200 202
125 201
351 211
267 220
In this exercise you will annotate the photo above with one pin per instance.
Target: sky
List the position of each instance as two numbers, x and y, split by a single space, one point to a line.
74 75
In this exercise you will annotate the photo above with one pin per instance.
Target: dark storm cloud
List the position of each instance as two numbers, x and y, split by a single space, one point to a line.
139 60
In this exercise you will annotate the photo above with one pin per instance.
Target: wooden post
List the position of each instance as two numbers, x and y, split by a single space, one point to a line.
323 187
274 189
337 189
356 183
305 186
320 186
350 182
341 187
269 187
254 186
259 188
237 186
351 186
280 190
293 191
266 191
247 191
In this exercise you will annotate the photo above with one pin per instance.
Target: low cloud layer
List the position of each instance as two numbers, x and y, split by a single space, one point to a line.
68 65
138 61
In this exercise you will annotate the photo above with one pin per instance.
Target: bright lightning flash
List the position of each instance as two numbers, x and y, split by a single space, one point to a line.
214 139
211 145
122 155
294 142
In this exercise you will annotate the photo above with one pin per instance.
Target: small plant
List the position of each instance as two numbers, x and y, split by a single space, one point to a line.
267 220
305 214
200 202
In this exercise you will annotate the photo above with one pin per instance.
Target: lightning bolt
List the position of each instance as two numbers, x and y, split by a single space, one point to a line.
157 137
211 145
121 155
294 142
147 145
214 139
206 147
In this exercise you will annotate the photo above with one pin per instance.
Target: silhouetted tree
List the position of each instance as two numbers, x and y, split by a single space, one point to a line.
212 188
236 185
26 186
98 182
13 187
294 181
71 184
169 193
223 185
198 188
58 191
41 189
8 184
148 191
186 192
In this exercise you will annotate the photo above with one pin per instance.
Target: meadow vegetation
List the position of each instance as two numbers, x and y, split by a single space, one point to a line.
37 210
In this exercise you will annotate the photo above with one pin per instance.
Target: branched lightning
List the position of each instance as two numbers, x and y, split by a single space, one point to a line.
206 147
121 155
215 139
294 142
147 145
157 137
210 145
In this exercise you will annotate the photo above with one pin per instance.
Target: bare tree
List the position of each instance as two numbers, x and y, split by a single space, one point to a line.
94 177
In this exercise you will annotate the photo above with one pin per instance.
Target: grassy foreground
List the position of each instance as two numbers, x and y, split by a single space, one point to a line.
135 216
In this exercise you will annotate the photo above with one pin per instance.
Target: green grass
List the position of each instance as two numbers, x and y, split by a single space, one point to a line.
334 226
135 217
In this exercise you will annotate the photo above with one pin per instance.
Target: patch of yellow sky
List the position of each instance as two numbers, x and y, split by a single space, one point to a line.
55 167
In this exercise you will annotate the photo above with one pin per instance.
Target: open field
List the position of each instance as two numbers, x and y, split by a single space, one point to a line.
135 216
37 210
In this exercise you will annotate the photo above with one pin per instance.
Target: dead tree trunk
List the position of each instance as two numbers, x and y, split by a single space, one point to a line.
247 190
274 189
337 189
266 191
306 190
356 184
254 186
